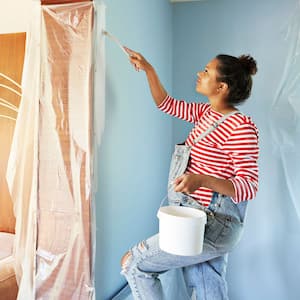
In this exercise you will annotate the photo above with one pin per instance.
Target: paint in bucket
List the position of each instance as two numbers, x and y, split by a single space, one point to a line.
181 230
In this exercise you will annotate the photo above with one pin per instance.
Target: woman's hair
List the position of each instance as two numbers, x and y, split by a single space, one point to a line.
237 73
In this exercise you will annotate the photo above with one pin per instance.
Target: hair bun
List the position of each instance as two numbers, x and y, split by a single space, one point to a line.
248 63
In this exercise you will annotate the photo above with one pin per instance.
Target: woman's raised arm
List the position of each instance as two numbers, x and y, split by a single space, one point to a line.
140 63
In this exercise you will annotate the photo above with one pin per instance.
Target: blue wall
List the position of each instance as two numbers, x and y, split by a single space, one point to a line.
136 145
134 157
265 264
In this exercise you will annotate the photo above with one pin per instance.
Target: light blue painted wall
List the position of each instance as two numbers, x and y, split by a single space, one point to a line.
265 264
137 142
136 145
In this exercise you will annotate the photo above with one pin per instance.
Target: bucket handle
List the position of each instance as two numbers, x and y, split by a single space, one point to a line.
166 196
163 200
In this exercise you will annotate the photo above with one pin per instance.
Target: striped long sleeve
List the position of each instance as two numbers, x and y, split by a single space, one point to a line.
190 112
242 148
229 152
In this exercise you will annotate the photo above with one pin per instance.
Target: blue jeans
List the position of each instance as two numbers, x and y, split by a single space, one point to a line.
205 273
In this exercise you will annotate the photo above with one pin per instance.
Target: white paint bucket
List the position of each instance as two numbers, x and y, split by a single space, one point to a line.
181 230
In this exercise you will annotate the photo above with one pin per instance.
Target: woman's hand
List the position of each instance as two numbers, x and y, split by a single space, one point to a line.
137 60
188 183
140 63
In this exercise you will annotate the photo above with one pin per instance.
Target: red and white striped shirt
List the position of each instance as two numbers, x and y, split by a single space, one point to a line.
229 152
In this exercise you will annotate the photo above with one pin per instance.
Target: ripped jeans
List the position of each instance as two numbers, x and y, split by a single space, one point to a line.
205 273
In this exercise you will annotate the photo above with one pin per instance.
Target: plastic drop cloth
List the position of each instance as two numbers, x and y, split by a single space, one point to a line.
50 170
285 114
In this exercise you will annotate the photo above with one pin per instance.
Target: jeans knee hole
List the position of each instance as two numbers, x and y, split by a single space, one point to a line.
142 246
125 261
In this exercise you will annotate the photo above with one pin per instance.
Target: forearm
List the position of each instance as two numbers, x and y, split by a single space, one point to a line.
140 63
157 90
221 186
188 183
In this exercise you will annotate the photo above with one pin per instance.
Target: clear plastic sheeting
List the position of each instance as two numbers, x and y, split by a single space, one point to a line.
63 268
285 114
50 171
22 168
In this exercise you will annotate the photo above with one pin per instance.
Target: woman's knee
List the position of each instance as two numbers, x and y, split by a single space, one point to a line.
125 258
133 255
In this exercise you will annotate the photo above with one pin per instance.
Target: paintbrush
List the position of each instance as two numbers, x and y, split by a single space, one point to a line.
114 39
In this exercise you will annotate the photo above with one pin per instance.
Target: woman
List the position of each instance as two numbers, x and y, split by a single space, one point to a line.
218 174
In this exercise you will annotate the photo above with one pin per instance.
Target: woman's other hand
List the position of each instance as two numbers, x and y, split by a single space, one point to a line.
187 183
137 60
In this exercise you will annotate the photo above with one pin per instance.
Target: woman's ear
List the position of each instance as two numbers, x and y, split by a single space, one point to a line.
223 87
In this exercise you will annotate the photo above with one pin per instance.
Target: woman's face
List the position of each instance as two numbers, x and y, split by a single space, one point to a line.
207 83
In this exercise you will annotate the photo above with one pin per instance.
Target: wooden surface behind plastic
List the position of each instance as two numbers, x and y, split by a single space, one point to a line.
12 49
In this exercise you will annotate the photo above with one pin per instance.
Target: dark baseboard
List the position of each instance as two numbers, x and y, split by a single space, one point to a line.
123 293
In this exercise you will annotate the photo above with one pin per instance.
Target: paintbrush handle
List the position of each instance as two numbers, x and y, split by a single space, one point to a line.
114 39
